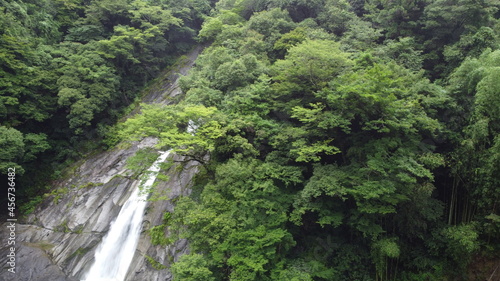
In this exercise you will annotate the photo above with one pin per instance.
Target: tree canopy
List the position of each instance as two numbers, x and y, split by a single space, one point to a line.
337 140
368 127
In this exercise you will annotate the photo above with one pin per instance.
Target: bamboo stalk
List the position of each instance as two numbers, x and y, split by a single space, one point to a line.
450 212
493 274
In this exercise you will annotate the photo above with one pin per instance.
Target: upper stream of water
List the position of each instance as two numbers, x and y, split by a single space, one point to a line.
115 253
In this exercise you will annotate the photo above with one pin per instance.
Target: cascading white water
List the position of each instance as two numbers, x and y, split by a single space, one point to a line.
114 255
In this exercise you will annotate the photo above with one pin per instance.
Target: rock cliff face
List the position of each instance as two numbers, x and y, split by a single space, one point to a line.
57 242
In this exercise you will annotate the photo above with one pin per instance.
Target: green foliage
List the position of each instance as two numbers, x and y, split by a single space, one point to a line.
461 243
290 39
447 22
239 217
11 142
192 267
18 149
403 52
373 125
157 234
436 274
141 160
309 66
63 227
471 45
474 86
335 16
190 130
213 26
349 138
29 207
381 251
154 263
396 19
68 68
361 35
57 194
86 87
452 18
271 24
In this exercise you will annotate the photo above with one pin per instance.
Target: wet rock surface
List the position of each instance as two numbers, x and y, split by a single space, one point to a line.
58 240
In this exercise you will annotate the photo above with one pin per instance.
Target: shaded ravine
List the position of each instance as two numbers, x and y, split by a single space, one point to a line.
58 241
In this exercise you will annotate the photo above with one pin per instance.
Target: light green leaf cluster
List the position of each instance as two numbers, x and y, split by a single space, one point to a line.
184 129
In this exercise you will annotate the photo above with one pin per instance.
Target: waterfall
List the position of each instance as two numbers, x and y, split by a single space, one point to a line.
115 253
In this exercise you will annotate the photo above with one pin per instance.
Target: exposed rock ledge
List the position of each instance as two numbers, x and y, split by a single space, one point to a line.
57 242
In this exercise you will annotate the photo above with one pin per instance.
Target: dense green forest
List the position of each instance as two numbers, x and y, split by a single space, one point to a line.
337 140
70 68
